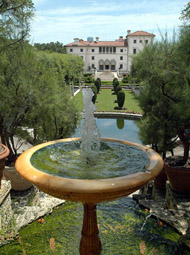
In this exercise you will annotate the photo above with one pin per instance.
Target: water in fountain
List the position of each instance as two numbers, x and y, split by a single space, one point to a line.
90 132
105 159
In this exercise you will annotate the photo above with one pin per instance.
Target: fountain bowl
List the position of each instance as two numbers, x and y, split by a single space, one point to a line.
88 191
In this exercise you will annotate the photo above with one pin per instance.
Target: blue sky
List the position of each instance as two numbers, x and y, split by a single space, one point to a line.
61 20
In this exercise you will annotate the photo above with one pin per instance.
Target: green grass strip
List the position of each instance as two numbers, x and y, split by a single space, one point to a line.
106 101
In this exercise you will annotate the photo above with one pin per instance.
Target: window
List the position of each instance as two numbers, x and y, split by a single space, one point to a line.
92 50
114 49
121 66
146 41
121 50
81 50
135 41
121 57
71 50
93 57
100 49
134 51
93 66
140 41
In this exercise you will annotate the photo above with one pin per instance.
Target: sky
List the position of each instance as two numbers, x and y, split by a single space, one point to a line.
64 20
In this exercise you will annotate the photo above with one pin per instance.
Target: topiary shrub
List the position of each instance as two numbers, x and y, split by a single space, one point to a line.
115 85
94 90
118 88
125 79
98 85
88 79
121 98
99 81
115 79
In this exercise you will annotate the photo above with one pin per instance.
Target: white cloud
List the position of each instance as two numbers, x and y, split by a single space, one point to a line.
106 20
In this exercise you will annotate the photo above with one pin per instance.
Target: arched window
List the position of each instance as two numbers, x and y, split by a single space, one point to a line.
113 64
107 64
101 64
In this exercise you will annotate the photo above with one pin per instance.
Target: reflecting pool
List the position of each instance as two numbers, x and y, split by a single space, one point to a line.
125 129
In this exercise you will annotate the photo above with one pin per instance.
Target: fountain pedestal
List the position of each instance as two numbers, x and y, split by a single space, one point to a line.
90 242
88 191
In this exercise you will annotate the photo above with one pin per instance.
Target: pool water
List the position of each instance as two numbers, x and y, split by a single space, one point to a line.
124 129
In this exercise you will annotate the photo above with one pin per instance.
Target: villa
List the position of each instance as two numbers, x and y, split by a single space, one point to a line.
112 56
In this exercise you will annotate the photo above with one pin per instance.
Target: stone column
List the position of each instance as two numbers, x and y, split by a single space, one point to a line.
90 242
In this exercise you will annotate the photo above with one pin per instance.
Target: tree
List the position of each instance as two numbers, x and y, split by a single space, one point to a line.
33 90
164 69
14 22
34 97
185 14
51 47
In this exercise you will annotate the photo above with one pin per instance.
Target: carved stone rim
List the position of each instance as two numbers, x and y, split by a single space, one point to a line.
4 152
96 186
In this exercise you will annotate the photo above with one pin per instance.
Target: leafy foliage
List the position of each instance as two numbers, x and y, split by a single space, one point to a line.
125 79
88 78
34 97
97 83
15 21
185 14
115 85
118 88
94 90
35 101
51 47
164 68
121 98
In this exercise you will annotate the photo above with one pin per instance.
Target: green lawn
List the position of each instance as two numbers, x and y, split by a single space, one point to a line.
105 101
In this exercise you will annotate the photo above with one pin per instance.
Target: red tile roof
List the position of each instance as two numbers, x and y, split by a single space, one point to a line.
141 33
120 43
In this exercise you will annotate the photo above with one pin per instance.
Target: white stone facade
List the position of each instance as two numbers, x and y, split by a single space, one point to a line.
112 56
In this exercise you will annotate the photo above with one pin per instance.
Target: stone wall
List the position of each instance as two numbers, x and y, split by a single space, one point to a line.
6 212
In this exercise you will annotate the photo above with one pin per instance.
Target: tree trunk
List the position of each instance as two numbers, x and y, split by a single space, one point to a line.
185 140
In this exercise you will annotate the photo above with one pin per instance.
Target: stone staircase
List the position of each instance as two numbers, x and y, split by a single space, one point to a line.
106 75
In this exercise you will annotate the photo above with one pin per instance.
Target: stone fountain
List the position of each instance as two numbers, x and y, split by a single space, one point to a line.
50 167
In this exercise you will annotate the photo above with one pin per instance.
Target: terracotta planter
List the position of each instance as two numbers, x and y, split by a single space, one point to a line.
18 183
4 152
160 180
179 178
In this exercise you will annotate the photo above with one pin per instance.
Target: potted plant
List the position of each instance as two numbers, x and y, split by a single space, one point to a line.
178 168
